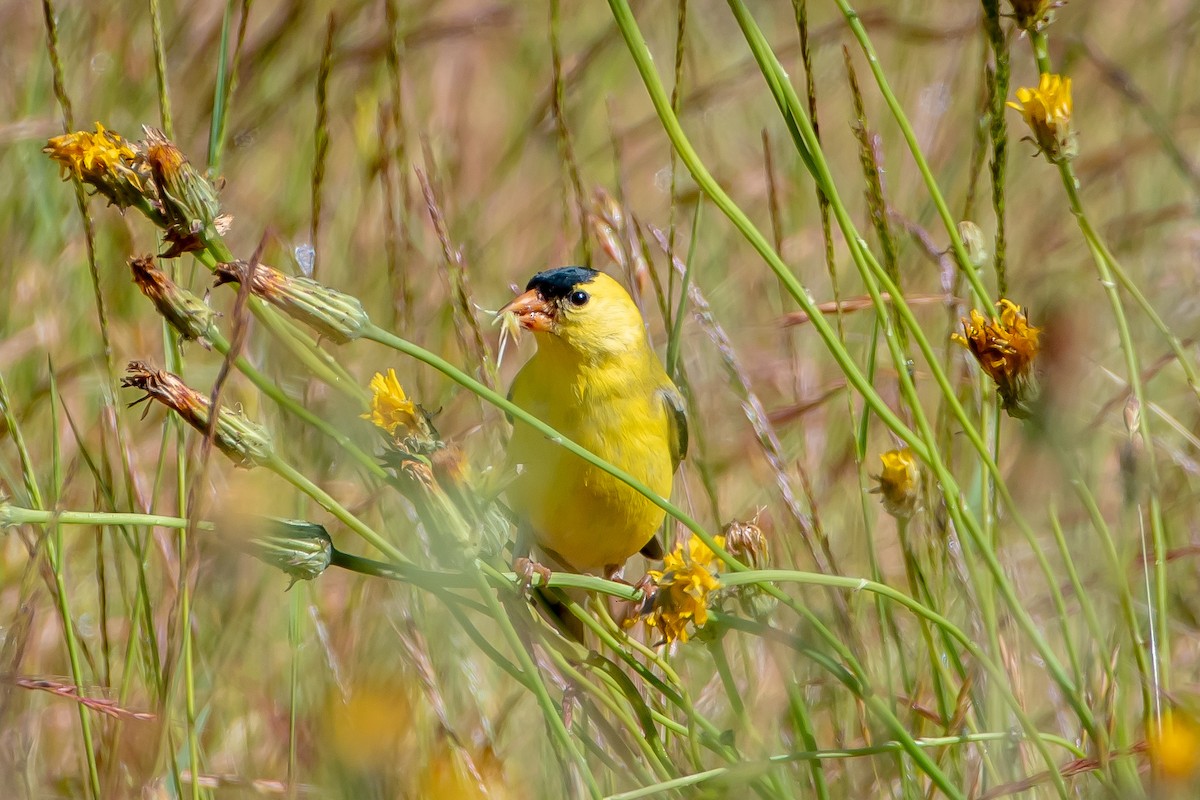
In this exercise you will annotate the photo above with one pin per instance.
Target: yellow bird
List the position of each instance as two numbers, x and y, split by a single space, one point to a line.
596 380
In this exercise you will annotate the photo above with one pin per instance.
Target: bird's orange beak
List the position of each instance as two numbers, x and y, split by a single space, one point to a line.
533 311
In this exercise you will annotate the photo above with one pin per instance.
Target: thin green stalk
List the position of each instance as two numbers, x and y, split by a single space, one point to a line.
935 193
220 111
677 323
1159 601
293 774
160 70
749 768
645 66
872 273
272 390
551 713
326 501
297 342
52 542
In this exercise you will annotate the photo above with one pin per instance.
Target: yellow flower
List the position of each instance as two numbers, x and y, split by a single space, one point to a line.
371 725
390 407
1047 112
454 773
1005 348
898 483
107 162
682 589
1175 747
89 156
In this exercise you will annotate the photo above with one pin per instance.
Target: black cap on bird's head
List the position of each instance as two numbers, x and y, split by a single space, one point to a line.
547 293
555 284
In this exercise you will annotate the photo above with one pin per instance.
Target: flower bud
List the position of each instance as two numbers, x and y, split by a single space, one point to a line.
186 313
299 548
244 442
333 314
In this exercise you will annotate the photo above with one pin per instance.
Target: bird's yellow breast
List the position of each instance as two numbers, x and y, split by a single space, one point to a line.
582 513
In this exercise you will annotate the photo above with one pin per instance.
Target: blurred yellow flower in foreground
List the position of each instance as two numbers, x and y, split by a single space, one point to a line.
1047 112
1175 747
682 589
1005 348
898 483
390 407
449 774
372 727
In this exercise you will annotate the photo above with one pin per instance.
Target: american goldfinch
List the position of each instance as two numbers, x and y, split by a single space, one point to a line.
595 379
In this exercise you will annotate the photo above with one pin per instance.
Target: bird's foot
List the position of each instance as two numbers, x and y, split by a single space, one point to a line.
627 612
525 570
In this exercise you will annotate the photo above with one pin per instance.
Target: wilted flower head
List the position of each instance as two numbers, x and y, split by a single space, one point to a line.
899 483
1047 112
333 314
186 313
682 589
1005 348
1034 15
746 542
244 442
189 200
1174 747
110 164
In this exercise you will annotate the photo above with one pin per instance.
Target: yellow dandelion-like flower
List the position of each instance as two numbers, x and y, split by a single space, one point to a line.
1047 112
682 589
390 407
110 164
89 156
898 483
1175 747
1005 348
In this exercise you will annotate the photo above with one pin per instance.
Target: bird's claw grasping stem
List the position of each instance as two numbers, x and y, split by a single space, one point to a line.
525 569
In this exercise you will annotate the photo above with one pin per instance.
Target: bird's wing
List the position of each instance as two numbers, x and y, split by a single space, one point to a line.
677 419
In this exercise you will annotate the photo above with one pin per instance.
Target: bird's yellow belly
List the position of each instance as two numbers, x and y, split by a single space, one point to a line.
583 514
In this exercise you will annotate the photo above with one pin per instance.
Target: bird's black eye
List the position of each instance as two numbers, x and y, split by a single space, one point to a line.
579 298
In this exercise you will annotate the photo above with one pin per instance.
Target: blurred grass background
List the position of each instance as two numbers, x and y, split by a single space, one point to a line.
464 93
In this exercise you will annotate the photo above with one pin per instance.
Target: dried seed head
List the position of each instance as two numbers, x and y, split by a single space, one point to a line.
187 314
333 314
747 542
1034 15
244 442
189 201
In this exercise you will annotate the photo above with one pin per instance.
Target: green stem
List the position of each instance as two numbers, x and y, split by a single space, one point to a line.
272 390
744 769
935 193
